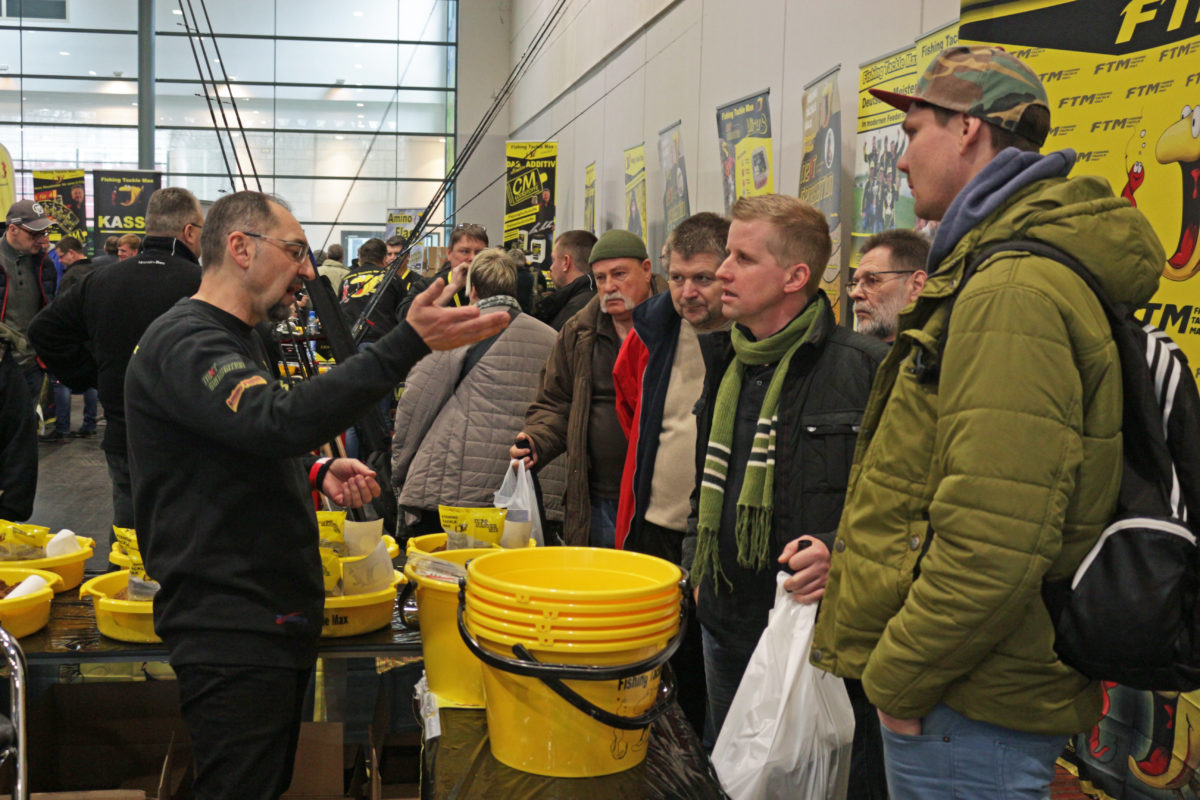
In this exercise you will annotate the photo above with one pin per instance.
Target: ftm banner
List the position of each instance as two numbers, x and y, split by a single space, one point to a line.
61 193
120 199
821 170
1123 79
635 190
529 199
744 131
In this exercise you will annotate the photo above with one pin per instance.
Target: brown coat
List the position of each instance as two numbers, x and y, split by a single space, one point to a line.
557 421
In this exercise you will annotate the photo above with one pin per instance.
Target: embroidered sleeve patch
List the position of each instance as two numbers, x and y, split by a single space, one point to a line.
215 373
235 397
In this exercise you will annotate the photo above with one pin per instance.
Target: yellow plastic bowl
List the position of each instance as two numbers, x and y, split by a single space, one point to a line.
68 567
119 558
22 616
575 574
353 614
123 620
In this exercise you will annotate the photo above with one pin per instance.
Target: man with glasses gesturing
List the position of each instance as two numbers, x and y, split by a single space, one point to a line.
890 275
222 475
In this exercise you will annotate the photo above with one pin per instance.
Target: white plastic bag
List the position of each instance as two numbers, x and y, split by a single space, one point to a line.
517 495
789 729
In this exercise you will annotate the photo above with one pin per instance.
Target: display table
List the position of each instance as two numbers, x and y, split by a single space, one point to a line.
459 765
71 637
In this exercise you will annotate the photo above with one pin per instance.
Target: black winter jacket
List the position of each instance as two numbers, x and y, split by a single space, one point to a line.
820 409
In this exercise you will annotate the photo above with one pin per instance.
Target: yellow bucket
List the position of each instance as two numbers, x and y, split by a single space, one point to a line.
123 620
549 618
68 567
431 544
572 702
452 673
352 614
22 616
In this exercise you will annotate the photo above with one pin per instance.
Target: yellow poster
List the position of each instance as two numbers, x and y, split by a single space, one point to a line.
1123 80
635 190
529 199
821 171
744 131
8 181
589 197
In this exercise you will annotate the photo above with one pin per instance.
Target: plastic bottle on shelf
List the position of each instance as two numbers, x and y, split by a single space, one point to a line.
314 328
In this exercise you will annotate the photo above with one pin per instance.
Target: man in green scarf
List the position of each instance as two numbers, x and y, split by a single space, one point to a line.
783 399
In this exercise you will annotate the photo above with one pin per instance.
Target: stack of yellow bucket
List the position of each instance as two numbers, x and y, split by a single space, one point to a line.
572 640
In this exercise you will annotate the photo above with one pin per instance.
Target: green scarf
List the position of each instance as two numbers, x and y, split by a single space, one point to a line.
755 503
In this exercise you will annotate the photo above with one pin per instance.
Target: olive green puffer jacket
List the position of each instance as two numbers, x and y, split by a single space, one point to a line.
966 493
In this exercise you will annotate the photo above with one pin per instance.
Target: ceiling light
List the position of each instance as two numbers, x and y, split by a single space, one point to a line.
176 11
358 13
360 116
339 137
91 72
63 53
360 105
134 104
216 61
358 66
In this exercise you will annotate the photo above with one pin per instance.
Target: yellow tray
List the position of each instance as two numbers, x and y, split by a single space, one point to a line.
119 558
353 614
123 620
68 567
22 616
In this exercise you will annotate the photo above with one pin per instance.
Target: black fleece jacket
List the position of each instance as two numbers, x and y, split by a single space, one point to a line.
217 452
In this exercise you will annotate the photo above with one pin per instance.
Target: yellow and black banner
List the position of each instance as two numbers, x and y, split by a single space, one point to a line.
744 131
8 181
1123 79
821 170
882 199
529 199
635 190
589 197
121 198
61 193
676 206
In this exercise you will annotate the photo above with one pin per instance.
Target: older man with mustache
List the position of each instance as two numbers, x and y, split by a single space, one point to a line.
889 276
575 410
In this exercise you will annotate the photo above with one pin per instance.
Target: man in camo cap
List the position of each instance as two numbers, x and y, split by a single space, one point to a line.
990 452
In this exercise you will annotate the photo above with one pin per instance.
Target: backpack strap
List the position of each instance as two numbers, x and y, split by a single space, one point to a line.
929 371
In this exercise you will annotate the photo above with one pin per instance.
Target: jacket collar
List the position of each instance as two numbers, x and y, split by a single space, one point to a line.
170 245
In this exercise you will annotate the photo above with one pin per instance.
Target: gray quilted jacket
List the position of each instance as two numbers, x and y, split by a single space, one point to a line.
451 444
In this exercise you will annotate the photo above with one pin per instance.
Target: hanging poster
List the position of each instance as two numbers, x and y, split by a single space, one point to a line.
882 199
1124 93
821 170
529 199
635 190
8 181
744 131
676 207
401 221
589 197
61 193
120 198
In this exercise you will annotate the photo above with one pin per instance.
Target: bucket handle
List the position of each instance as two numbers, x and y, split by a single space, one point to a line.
553 675
666 694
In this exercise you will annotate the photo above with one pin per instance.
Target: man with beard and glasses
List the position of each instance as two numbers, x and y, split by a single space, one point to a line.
222 480
890 275
575 411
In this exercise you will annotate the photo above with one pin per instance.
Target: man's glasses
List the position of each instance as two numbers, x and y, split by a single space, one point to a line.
35 234
870 281
297 250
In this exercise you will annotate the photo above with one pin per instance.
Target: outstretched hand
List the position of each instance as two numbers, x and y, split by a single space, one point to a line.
350 483
443 327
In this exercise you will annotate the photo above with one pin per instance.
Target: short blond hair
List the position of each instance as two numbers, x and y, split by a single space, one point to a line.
492 273
800 232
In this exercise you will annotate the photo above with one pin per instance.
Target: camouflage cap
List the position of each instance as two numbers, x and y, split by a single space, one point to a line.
983 82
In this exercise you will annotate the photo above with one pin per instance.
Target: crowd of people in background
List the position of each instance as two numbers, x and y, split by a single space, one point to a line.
713 413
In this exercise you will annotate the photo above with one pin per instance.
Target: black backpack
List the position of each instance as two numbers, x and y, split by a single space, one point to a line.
1129 614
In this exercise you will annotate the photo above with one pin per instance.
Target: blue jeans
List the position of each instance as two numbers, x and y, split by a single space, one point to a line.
603 530
62 409
726 655
956 758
